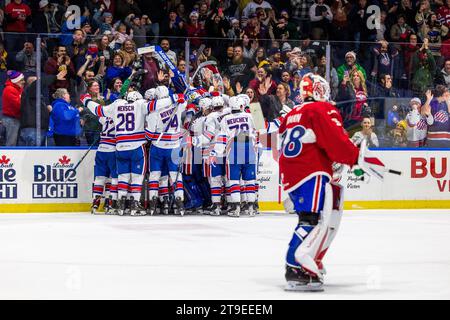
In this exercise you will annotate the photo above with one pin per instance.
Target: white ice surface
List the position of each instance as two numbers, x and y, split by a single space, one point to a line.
376 255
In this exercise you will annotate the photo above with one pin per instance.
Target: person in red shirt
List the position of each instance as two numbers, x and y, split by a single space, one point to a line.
11 105
17 15
195 30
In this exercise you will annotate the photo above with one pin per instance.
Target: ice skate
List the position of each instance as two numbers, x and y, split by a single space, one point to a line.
215 210
234 210
152 205
96 204
165 206
122 205
298 280
127 206
244 208
136 208
179 207
252 210
108 205
113 209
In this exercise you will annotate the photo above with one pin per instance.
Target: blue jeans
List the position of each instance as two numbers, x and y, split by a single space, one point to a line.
28 137
12 126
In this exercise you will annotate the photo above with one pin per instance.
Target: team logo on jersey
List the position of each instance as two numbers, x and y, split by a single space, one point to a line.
55 181
8 185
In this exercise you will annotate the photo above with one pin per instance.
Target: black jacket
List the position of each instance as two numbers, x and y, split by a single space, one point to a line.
28 104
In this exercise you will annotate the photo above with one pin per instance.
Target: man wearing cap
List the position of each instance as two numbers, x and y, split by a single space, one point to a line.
11 105
349 65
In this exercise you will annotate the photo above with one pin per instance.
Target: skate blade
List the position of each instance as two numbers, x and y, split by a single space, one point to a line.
310 287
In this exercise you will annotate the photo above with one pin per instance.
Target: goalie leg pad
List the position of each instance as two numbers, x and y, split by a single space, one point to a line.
312 250
307 222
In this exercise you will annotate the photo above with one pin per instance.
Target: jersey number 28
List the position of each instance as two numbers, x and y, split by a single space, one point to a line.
292 144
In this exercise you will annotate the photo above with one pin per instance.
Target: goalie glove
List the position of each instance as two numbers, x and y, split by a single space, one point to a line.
368 163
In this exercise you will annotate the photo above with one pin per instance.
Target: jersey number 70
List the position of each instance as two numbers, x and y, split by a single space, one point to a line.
292 144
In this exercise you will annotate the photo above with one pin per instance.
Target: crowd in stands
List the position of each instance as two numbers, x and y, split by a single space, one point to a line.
392 78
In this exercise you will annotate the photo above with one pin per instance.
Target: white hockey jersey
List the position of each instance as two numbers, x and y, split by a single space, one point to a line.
211 128
235 126
107 136
129 120
164 126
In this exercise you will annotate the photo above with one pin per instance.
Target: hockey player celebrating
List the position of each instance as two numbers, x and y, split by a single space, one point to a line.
105 167
238 142
165 134
313 138
129 120
215 171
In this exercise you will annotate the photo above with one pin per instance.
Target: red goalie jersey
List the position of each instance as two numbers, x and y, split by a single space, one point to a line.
312 139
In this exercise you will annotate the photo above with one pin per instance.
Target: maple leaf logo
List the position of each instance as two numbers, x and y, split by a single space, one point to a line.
4 160
64 160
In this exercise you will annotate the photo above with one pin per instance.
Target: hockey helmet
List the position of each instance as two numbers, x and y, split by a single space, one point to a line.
150 94
237 103
205 104
162 92
246 99
314 87
133 96
217 102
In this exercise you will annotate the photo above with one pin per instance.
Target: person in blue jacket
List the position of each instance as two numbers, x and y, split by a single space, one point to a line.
66 119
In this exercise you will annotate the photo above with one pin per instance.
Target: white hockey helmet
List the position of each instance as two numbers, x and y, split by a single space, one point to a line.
246 99
217 102
133 96
237 103
150 94
205 103
314 87
162 92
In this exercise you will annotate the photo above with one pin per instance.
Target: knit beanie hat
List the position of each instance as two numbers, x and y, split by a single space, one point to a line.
15 76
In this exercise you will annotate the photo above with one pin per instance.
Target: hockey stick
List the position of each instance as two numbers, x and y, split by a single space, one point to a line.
84 156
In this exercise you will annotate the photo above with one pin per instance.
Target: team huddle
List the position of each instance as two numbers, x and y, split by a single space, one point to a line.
205 146
200 146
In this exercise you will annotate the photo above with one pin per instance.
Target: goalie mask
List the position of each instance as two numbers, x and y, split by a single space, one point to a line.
162 92
314 88
133 96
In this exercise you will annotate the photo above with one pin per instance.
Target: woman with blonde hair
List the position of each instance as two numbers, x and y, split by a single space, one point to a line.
353 94
128 52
